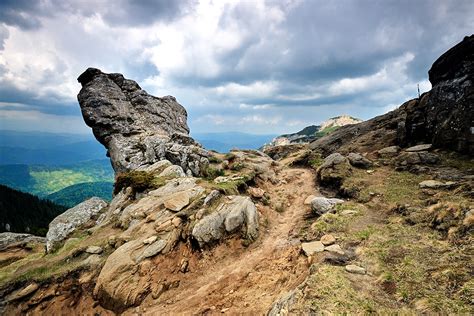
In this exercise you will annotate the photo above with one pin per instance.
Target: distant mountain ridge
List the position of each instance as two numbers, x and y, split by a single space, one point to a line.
313 132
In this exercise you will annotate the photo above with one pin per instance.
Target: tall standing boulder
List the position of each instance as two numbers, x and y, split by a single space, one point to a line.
137 129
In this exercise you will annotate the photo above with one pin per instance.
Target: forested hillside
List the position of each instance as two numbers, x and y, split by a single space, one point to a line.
22 212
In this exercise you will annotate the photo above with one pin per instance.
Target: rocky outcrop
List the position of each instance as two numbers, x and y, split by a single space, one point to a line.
66 223
137 129
442 117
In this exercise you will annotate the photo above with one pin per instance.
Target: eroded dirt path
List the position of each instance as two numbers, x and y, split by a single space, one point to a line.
237 280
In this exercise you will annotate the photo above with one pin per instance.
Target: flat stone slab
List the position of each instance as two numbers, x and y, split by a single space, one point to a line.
309 248
421 147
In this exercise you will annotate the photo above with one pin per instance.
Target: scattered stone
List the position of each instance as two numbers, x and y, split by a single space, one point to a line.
256 192
335 248
94 250
422 147
433 184
66 223
308 200
222 179
321 205
23 292
370 171
328 239
310 248
359 161
150 240
388 152
352 268
177 201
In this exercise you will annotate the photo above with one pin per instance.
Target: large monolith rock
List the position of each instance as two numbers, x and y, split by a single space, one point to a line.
137 129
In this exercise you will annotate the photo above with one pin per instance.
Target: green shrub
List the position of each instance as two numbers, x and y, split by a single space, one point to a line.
212 173
214 159
139 181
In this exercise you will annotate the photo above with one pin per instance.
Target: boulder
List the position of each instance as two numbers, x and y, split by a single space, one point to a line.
334 170
137 129
321 205
22 293
211 197
238 212
157 167
66 223
359 161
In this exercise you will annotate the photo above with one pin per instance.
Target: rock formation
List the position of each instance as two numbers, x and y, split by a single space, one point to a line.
137 129
443 116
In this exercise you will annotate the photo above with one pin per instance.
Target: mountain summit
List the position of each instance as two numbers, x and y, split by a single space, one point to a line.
313 132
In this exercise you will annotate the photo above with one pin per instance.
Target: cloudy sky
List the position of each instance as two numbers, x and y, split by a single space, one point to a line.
255 66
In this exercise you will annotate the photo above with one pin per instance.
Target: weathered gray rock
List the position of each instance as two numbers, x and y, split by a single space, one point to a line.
422 147
66 223
359 161
321 205
309 248
94 250
7 239
433 184
352 268
173 172
137 129
238 212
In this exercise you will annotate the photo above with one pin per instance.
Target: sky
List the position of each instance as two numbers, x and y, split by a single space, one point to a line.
263 67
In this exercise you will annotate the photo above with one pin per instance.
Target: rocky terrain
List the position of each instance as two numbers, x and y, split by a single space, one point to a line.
375 217
313 132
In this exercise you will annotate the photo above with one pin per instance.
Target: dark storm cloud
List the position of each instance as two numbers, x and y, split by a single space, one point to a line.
21 13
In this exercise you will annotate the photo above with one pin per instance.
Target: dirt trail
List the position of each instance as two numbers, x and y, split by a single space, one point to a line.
247 280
